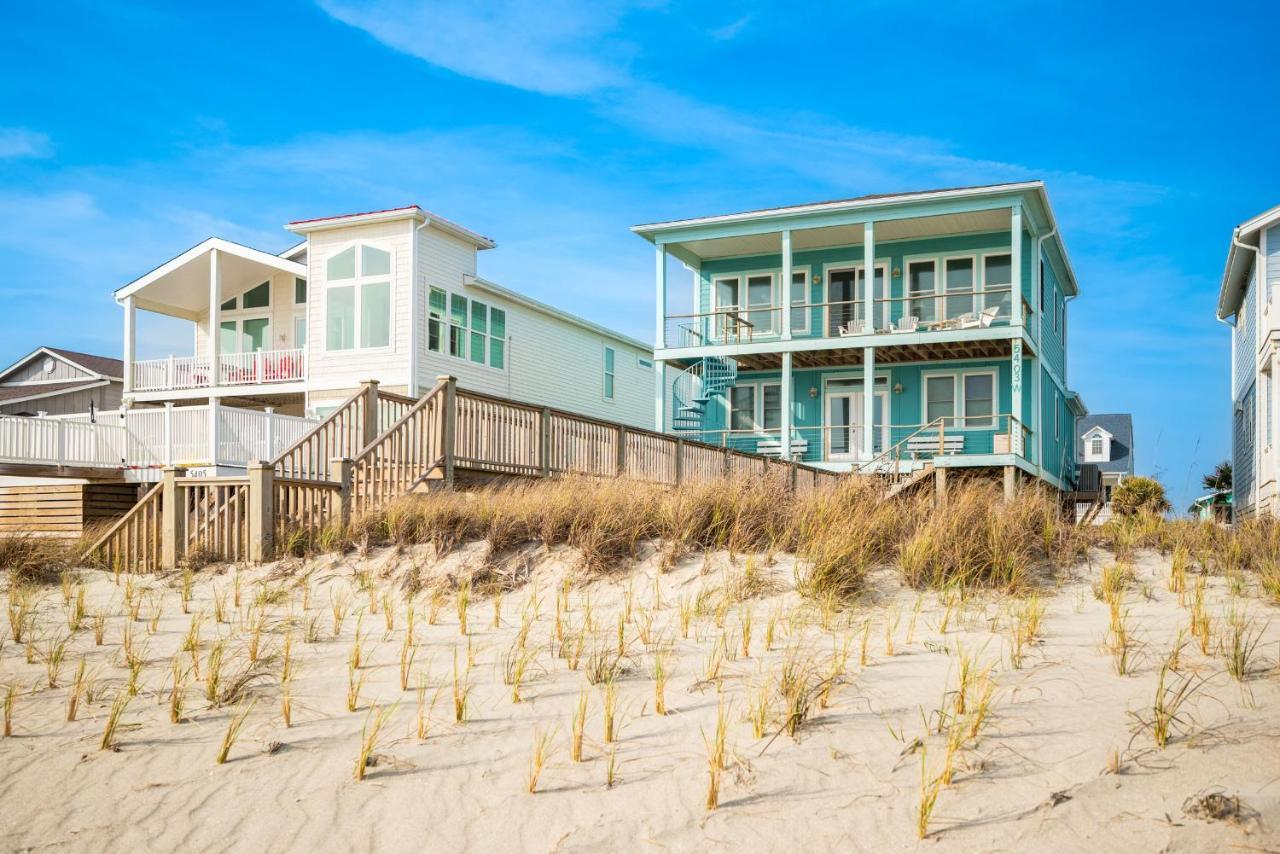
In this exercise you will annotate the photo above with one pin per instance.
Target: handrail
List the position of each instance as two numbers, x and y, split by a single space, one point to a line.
121 522
338 413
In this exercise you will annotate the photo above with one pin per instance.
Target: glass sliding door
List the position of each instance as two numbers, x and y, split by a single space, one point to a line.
959 284
841 301
921 281
760 302
879 308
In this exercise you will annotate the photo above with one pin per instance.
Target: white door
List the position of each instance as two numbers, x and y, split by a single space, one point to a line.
844 425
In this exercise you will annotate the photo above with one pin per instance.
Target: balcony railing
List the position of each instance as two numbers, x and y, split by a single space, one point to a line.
261 367
926 312
900 446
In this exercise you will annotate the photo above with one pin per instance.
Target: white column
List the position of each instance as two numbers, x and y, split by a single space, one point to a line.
787 407
168 433
659 395
868 401
130 342
786 293
660 332
270 453
869 276
1037 407
1015 396
215 333
213 432
1015 258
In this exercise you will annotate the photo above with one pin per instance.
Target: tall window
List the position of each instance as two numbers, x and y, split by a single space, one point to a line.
940 398
358 298
959 280
457 326
462 328
799 302
479 331
921 280
742 407
497 338
437 303
979 400
740 302
771 406
299 291
997 282
610 378
1095 448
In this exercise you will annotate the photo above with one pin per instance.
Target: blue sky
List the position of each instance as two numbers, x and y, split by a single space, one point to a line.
130 131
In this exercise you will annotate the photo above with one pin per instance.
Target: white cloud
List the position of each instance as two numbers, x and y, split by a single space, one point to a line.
731 31
556 47
21 142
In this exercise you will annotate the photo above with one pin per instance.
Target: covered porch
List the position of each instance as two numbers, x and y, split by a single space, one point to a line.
249 312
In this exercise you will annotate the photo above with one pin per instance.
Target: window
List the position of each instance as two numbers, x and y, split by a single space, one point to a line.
609 376
940 398
1096 448
229 305
733 306
979 400
800 301
497 338
435 320
257 297
299 291
647 364
997 282
299 331
742 407
479 330
244 335
759 303
358 315
457 326
920 281
771 406
959 282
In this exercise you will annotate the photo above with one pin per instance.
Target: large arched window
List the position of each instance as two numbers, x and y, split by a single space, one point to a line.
358 298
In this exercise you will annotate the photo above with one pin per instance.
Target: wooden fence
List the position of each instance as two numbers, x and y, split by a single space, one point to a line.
321 480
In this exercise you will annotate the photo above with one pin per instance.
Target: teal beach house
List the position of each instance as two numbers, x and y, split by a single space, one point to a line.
950 354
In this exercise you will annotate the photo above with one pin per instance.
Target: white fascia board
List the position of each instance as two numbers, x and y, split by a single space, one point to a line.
1096 429
98 383
552 311
246 252
414 212
51 354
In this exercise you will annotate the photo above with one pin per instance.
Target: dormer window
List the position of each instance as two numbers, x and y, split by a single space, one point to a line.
358 298
1097 446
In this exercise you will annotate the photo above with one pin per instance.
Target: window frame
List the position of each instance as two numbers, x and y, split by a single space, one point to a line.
885 304
358 282
959 408
807 309
608 374
743 307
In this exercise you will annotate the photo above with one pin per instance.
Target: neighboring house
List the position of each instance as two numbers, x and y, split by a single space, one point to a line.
392 296
1246 300
1214 507
1105 451
58 382
955 356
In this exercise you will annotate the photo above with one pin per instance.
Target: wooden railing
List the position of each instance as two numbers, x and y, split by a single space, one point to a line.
132 543
304 505
340 434
407 452
217 516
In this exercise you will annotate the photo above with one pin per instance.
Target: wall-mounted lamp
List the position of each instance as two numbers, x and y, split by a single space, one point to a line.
817 278
897 272
897 388
813 391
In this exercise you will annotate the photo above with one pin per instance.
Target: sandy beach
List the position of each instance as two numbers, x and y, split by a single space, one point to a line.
1061 759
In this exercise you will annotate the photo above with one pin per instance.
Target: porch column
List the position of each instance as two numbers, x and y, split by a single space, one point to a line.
1035 452
213 433
660 331
215 303
1015 396
786 294
869 277
1015 262
130 342
659 396
868 401
787 408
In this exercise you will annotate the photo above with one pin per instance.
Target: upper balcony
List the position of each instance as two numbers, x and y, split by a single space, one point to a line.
249 311
955 273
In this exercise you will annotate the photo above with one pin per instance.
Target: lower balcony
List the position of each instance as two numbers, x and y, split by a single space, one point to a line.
259 368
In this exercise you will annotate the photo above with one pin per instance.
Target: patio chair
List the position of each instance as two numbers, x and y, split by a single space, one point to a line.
907 323
988 316
968 320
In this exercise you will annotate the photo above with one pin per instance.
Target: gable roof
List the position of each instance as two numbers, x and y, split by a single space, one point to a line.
1096 428
304 226
99 366
1120 428
1245 239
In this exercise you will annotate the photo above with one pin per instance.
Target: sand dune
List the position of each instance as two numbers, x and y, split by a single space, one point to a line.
1034 776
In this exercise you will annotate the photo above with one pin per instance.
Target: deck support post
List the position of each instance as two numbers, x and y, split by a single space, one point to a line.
868 402
679 462
787 408
449 426
660 397
173 517
340 473
369 428
130 343
1010 484
215 324
869 276
939 487
544 442
262 508
786 285
660 276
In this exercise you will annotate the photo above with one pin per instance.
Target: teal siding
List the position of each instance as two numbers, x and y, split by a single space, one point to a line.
1052 340
1057 437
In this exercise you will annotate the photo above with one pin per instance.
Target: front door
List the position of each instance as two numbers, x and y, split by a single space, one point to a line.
844 425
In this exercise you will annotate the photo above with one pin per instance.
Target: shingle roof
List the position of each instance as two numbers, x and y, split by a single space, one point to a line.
1120 426
104 365
18 392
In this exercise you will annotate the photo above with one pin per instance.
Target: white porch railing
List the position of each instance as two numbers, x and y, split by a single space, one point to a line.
261 367
150 438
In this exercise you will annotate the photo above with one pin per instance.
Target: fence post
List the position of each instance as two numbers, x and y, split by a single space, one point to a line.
795 472
340 473
262 511
269 453
168 433
369 429
726 462
61 457
169 378
544 442
620 467
213 433
450 426
679 461
173 517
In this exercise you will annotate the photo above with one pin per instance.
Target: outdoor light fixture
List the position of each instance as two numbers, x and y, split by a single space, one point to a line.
817 278
897 272
897 388
813 391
